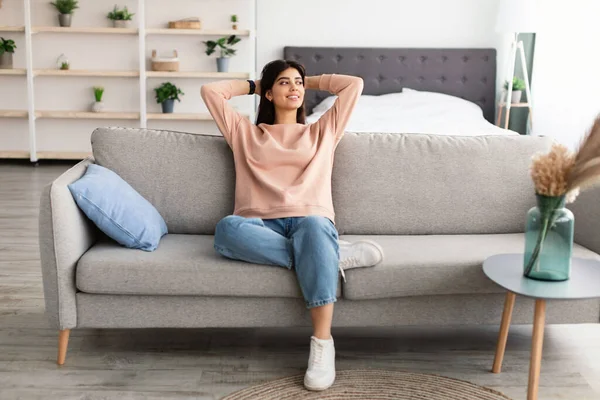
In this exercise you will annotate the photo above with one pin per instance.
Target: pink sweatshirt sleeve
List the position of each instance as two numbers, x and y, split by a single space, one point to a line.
348 89
216 96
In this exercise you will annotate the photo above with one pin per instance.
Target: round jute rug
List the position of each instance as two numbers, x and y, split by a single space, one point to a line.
371 385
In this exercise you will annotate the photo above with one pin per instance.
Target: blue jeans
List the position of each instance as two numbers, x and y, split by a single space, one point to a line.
309 245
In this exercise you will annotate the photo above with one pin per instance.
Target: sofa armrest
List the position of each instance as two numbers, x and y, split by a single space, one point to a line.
65 234
587 219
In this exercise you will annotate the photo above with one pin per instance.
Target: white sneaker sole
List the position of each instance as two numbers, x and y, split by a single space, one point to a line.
319 388
377 246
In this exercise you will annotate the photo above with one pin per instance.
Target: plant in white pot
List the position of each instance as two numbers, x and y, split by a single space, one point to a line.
98 105
226 49
65 9
517 89
166 94
120 18
7 49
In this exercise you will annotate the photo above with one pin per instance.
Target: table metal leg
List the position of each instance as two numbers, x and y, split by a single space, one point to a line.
509 303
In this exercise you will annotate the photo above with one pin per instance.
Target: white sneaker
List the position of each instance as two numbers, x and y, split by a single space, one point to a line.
320 373
362 253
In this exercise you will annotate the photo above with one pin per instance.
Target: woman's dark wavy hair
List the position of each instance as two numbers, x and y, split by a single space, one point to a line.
266 108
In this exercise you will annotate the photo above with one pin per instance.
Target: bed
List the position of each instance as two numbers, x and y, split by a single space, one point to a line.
434 91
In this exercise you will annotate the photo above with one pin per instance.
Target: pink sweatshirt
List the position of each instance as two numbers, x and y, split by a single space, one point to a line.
284 170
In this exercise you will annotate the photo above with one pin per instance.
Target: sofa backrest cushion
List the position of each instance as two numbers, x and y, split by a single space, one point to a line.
382 183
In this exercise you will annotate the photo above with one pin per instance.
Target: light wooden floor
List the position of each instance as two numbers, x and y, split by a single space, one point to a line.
208 364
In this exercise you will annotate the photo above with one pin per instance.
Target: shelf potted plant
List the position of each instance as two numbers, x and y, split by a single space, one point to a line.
225 45
517 89
120 18
98 105
234 22
65 9
7 49
166 94
62 62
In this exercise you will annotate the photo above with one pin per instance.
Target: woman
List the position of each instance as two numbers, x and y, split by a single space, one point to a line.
283 205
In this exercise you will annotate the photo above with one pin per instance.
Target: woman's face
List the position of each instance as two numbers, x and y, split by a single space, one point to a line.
288 90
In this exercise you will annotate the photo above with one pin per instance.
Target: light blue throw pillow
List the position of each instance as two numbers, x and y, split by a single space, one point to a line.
117 209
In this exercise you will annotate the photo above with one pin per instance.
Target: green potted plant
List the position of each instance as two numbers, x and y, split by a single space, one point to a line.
98 105
7 49
517 89
120 18
65 9
225 45
166 94
62 62
234 21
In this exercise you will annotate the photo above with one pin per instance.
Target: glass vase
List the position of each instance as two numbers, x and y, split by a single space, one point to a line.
548 240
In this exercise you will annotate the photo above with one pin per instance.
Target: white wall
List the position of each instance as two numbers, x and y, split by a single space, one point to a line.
566 70
376 23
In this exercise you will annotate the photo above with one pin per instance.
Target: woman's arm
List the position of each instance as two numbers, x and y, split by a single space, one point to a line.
312 82
348 89
216 96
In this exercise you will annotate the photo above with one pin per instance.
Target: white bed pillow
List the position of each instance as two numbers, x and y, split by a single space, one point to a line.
413 111
453 102
324 105
365 102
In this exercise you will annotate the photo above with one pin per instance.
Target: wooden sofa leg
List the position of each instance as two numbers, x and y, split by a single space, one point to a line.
63 341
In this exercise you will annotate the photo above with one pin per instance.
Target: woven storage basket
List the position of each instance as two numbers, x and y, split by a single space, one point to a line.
188 23
165 63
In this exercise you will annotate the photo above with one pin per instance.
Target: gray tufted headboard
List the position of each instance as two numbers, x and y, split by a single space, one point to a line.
466 73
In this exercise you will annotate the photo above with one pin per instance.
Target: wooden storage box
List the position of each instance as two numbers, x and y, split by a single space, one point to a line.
188 23
170 64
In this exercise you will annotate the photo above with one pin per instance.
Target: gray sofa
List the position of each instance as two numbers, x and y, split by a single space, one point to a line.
438 205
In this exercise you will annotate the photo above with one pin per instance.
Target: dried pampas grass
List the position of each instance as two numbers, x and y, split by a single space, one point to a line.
551 171
586 171
561 172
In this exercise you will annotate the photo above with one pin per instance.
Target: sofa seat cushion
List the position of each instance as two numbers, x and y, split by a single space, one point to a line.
422 265
181 265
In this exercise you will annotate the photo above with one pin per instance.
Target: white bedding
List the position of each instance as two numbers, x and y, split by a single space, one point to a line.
413 111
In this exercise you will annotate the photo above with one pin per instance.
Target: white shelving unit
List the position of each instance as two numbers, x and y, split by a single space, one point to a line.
197 74
86 115
197 32
31 74
15 71
86 73
92 30
12 29
183 116
13 114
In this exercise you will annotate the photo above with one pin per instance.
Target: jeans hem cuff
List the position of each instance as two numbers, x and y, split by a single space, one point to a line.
321 303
